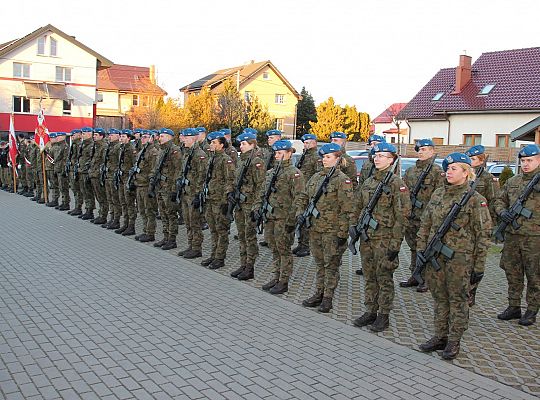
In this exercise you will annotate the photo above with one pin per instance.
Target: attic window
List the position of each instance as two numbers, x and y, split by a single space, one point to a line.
438 96
486 90
266 75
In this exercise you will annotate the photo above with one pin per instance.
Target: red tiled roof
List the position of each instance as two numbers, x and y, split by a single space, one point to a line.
127 78
515 74
386 116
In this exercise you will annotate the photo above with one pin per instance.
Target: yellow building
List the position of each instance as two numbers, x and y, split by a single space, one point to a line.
261 80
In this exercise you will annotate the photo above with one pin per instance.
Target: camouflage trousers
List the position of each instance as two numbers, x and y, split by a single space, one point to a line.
378 276
77 194
218 225
147 210
521 258
247 235
87 192
63 183
279 242
327 256
99 192
303 239
127 203
30 179
52 186
411 238
449 288
39 183
113 200
192 220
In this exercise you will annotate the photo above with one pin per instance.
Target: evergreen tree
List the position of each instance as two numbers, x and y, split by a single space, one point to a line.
506 174
306 113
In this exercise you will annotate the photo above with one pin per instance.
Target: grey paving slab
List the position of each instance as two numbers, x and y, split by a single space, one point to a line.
78 294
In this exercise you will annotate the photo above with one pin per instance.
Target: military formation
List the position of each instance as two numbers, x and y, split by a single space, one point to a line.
448 216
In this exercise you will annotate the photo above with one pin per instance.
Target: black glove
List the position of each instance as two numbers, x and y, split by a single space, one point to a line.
300 220
173 196
255 215
224 208
341 242
476 277
230 197
289 228
196 202
392 255
506 216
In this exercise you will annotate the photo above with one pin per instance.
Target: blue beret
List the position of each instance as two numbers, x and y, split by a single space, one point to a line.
74 131
384 147
52 135
454 158
100 131
529 151
58 134
87 129
214 135
308 136
166 131
200 129
190 132
153 132
422 143
329 148
339 135
137 130
128 132
114 131
274 132
246 136
376 138
226 131
282 145
475 150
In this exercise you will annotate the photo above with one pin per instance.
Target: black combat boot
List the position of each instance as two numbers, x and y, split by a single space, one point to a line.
171 244
88 215
146 238
64 207
51 203
114 225
106 224
365 319
451 350
314 300
528 318
41 201
359 271
433 344
76 211
411 282
269 285
296 249
181 252
247 273
130 230
511 312
190 254
217 263
381 323
263 243
207 261
100 221
238 271
303 252
280 288
422 288
326 305
121 229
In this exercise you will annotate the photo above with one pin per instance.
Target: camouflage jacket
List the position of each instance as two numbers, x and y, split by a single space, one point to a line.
197 171
112 162
474 221
34 157
311 164
350 168
336 207
268 157
171 166
391 211
59 153
368 169
509 193
434 180
49 154
99 157
488 186
222 178
232 153
147 165
254 177
86 155
284 200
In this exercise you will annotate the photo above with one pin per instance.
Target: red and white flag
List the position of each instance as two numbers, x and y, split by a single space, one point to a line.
41 133
13 150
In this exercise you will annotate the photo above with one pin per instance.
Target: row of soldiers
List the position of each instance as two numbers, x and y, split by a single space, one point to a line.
321 199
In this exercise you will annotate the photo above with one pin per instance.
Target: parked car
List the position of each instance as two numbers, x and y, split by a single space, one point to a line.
496 169
354 153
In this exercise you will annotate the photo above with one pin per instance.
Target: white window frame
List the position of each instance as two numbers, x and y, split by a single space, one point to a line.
62 75
266 75
438 96
280 122
42 41
22 100
279 98
53 45
66 110
486 90
135 101
21 70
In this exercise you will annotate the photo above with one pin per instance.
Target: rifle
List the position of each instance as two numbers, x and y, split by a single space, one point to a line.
68 160
133 171
77 163
366 219
418 186
301 160
203 195
435 246
238 196
266 208
183 181
517 209
117 176
158 177
103 169
269 160
311 209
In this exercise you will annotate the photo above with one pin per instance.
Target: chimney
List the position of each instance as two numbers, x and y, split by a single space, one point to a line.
463 73
152 74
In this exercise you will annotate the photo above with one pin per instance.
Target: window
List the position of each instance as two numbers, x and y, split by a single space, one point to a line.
392 140
266 75
63 74
53 47
279 124
41 45
472 140
438 141
135 100
280 99
248 96
21 70
503 140
438 96
66 108
21 104
486 89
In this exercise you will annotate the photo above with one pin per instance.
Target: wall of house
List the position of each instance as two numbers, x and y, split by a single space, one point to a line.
393 137
109 105
428 129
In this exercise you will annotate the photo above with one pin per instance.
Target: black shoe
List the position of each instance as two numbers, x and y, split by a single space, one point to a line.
511 312
381 323
451 350
269 285
181 221
365 319
34 198
100 221
217 263
303 252
56 207
87 216
411 282
146 238
121 229
313 301
296 249
161 243
528 318
359 272
41 201
64 207
192 254
51 204
423 288
130 230
106 224
114 225
280 288
171 244
204 226
434 344
238 271
207 261
263 243
180 253
326 305
75 211
246 274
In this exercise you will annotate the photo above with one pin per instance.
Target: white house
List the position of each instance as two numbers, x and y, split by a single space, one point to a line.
390 125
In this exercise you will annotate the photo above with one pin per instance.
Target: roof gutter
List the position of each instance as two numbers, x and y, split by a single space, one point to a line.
521 111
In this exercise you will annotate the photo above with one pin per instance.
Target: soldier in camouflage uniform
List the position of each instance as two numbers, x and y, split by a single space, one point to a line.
379 254
32 168
450 285
328 233
38 172
220 172
126 159
197 159
111 165
521 252
255 172
230 150
201 140
308 164
52 182
94 174
281 221
435 179
487 186
348 167
60 157
86 153
75 181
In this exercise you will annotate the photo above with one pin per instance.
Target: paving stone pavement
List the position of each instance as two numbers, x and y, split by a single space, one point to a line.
85 313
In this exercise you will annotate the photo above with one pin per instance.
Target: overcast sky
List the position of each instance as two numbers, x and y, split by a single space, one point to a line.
369 53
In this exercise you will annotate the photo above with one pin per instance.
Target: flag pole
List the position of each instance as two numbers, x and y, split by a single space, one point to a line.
14 172
45 194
